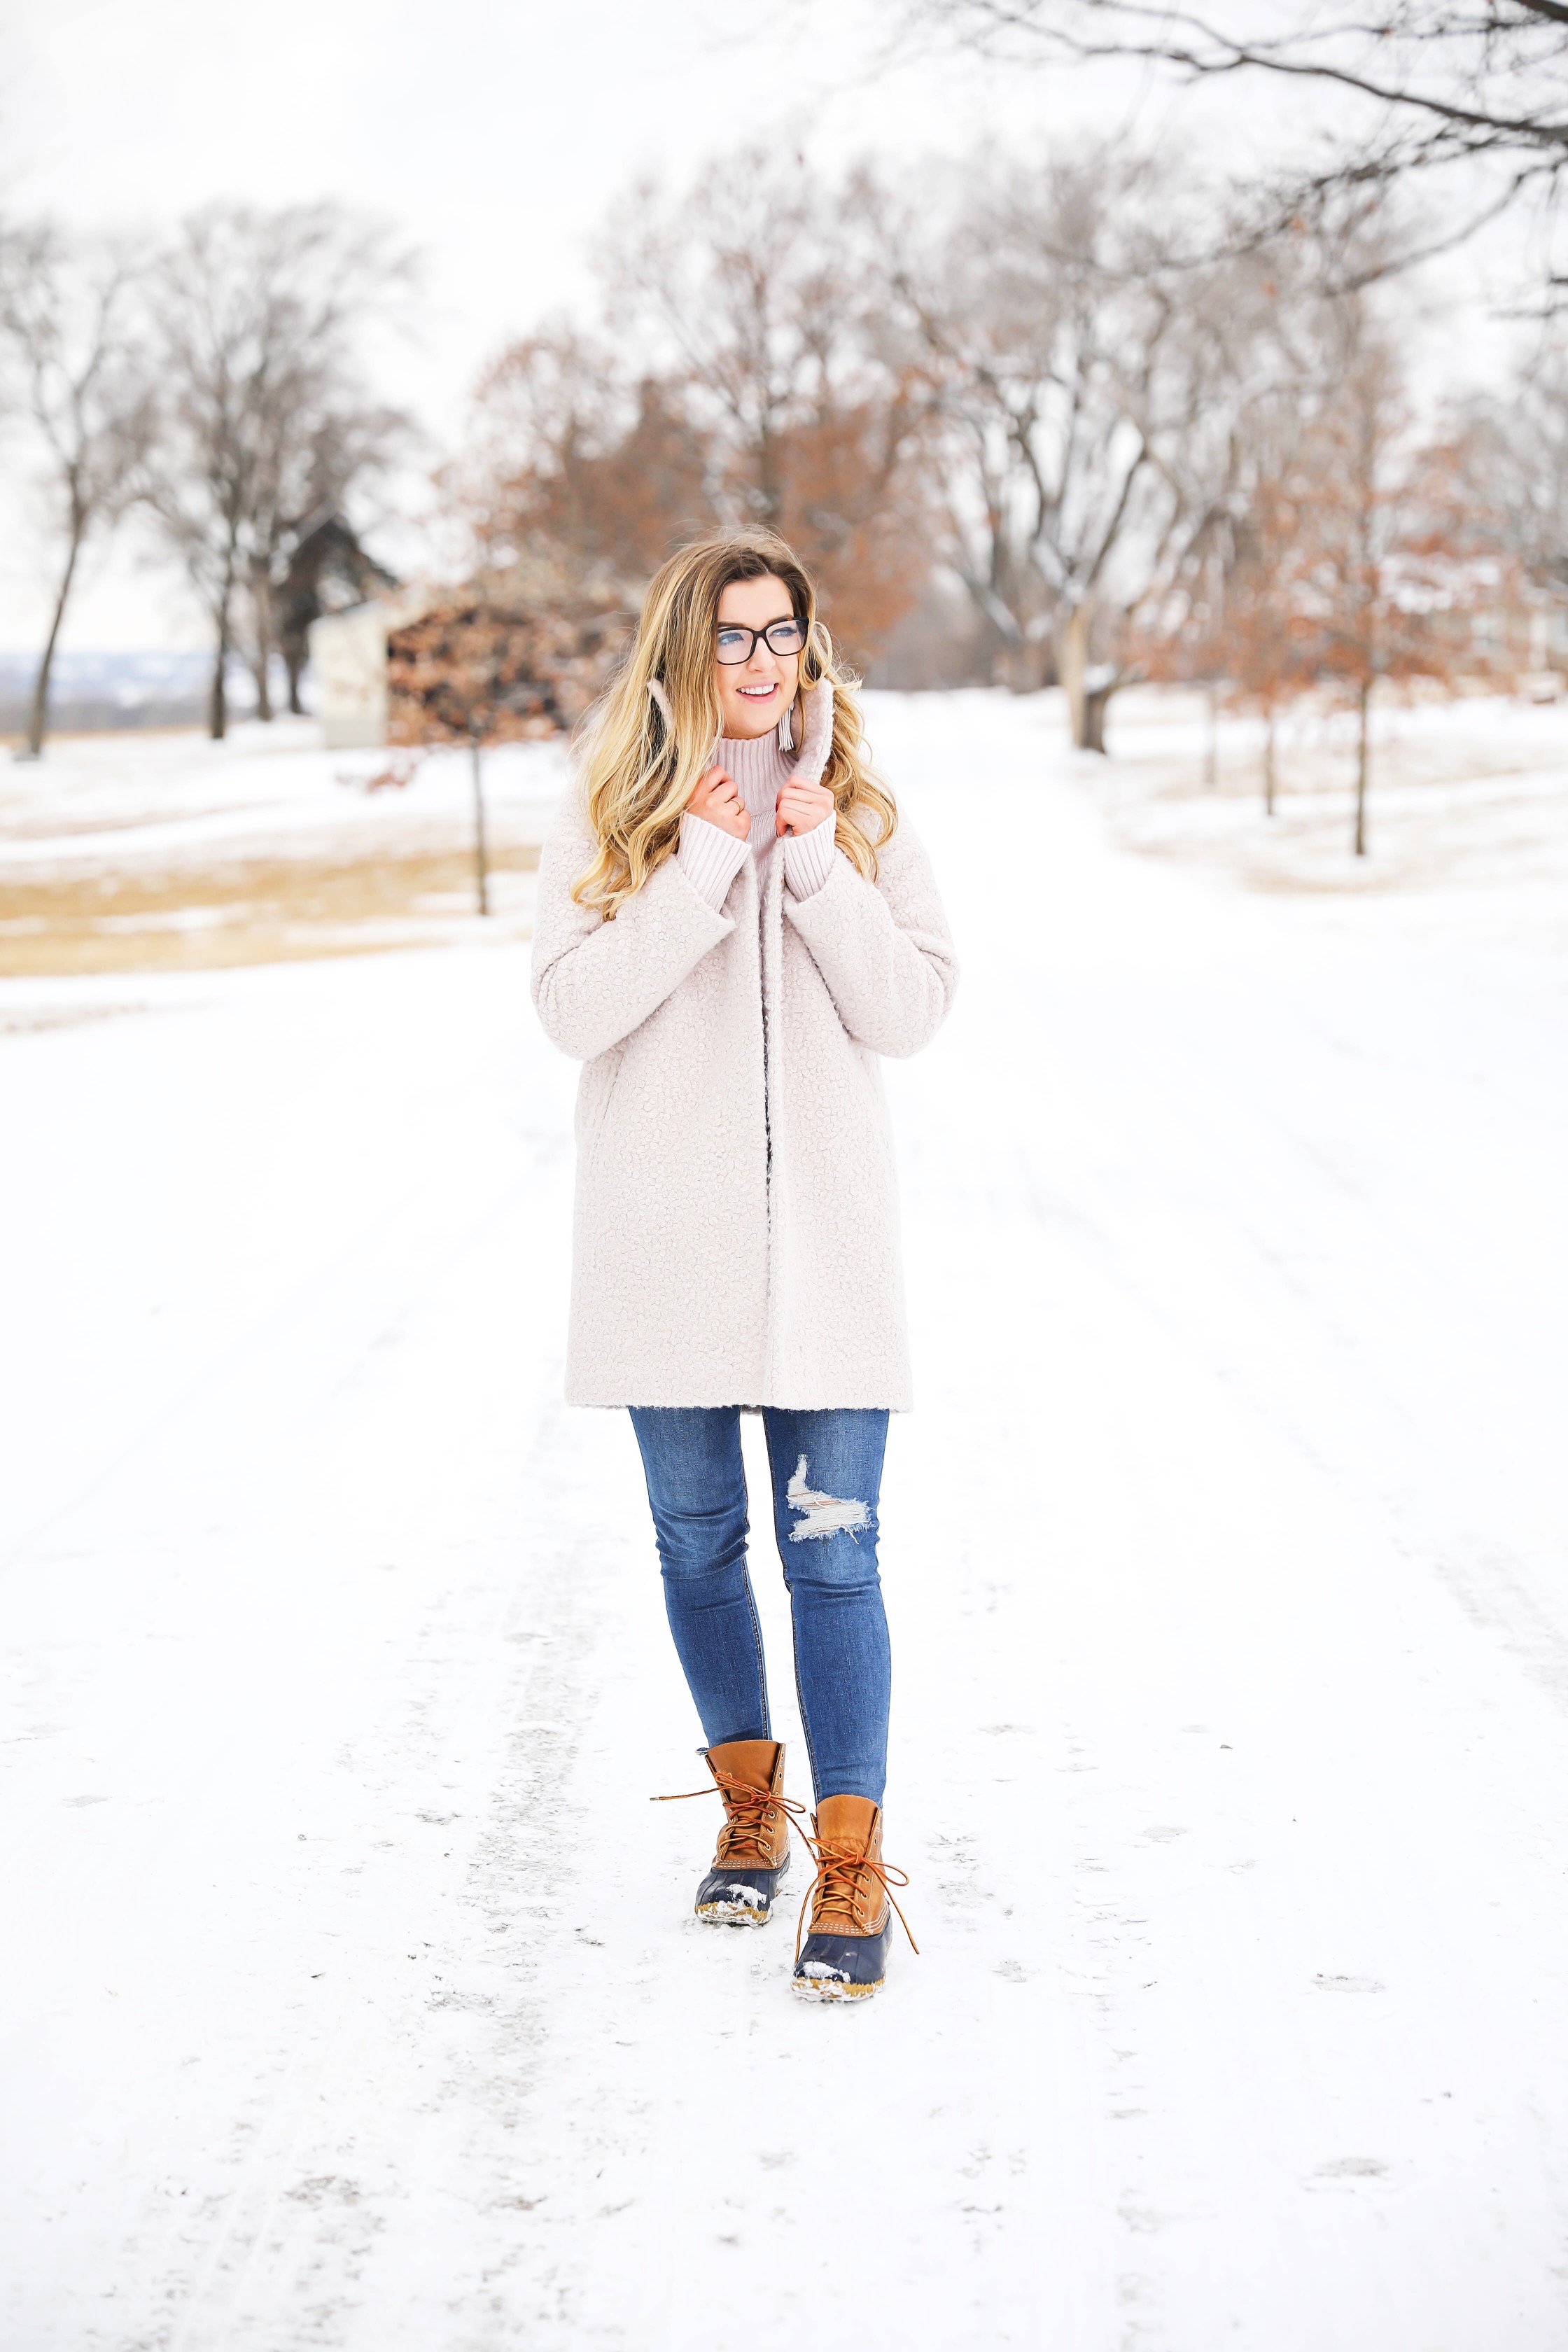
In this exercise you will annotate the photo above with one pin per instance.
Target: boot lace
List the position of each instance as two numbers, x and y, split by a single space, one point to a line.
748 1812
840 1870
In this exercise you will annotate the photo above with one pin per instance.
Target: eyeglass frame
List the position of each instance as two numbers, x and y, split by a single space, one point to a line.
739 628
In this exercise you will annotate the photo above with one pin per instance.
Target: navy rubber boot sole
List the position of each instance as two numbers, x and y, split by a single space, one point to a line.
842 1968
739 1898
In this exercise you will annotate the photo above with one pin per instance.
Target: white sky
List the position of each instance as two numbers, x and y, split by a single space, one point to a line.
494 132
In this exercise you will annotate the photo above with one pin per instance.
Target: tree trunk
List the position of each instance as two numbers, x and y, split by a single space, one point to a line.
1268 766
1360 766
1072 664
1211 746
294 662
1096 702
770 490
481 869
260 664
37 718
217 706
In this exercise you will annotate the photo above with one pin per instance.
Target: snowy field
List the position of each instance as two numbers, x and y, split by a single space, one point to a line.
163 852
351 1994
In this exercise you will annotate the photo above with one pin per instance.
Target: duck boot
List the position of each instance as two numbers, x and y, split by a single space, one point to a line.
844 1956
752 1853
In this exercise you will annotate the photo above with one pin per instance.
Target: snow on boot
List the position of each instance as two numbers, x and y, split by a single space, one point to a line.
845 1957
752 1853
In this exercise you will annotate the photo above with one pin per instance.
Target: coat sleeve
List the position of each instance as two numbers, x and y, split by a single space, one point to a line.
593 981
883 948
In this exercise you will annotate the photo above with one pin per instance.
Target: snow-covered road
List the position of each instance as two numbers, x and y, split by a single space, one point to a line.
351 1997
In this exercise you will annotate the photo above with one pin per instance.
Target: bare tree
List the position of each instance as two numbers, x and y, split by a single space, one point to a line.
1255 654
737 281
1513 452
1235 623
747 369
1090 381
1426 84
1373 569
763 305
1348 529
69 312
258 316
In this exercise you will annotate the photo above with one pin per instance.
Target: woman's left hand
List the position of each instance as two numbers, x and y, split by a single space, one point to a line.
803 807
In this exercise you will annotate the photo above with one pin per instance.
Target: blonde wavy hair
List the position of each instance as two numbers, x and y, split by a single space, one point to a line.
640 767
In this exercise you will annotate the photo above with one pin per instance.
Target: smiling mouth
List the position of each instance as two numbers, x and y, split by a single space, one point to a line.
758 693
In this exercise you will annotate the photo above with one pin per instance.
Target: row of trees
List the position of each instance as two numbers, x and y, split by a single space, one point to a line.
1149 441
742 370
1149 437
216 387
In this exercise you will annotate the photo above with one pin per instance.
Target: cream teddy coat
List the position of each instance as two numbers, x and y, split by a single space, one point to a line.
736 1230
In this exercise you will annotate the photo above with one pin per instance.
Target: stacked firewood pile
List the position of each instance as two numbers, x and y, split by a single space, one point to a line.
491 663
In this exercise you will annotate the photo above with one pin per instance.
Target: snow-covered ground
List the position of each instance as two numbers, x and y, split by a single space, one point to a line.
1465 795
107 801
159 852
350 1996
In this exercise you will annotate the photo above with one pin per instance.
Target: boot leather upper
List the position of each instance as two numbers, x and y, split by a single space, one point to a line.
754 1836
847 1901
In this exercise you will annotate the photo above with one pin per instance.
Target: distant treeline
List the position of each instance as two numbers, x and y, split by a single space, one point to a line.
93 691
1082 420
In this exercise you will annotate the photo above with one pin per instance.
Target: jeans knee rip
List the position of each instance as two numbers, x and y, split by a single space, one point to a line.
821 1515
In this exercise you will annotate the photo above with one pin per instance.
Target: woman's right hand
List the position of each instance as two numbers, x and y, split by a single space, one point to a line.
717 800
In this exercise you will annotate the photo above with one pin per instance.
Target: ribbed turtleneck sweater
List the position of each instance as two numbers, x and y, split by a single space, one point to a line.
710 859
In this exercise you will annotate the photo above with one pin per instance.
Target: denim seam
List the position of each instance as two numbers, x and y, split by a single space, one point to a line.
800 1701
761 1654
794 1625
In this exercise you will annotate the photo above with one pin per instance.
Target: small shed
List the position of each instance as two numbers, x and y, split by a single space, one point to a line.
348 660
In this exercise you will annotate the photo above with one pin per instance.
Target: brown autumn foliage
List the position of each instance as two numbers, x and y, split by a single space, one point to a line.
573 469
1185 474
599 482
857 515
764 290
769 388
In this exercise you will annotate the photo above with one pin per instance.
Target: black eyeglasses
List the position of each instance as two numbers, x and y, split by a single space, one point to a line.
785 636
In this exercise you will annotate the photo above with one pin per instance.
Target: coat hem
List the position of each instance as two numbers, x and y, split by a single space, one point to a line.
742 1404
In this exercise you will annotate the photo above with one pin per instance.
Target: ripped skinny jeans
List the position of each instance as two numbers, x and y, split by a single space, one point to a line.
826 1470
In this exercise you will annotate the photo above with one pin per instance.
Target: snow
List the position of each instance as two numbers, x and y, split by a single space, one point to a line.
1464 795
269 790
168 852
350 1993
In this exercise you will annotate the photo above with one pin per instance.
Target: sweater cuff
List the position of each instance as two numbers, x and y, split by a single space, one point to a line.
808 856
709 859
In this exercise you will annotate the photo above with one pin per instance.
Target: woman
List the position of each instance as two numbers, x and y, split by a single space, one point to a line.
729 935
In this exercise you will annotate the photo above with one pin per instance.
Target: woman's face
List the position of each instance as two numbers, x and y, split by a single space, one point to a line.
754 694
